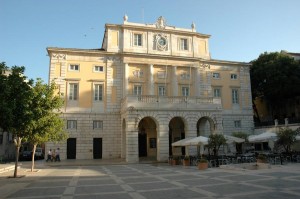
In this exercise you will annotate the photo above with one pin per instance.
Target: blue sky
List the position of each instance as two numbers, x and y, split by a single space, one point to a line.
240 30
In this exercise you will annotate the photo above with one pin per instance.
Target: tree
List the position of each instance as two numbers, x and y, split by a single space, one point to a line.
215 142
275 77
45 125
15 97
287 137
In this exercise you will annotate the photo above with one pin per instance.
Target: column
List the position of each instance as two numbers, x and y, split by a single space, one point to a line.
150 80
174 81
132 141
197 82
125 80
163 141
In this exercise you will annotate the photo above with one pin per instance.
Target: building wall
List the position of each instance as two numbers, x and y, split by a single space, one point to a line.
150 66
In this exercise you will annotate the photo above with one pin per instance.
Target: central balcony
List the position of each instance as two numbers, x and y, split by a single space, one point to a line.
150 102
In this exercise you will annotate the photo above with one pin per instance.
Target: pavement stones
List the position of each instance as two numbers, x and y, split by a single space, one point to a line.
146 181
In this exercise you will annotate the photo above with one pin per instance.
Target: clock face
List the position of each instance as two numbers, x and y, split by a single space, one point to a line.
162 41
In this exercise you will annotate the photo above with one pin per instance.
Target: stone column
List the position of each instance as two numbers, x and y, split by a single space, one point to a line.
163 141
197 82
150 80
125 80
132 141
174 81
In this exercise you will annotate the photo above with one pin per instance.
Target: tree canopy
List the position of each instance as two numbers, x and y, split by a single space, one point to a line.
275 77
287 137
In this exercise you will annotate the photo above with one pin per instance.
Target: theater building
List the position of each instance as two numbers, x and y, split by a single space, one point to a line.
146 87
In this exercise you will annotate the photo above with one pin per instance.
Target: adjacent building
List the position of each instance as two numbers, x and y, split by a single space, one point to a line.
146 87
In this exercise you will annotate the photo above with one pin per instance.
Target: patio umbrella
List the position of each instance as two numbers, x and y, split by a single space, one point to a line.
264 137
200 140
181 142
232 139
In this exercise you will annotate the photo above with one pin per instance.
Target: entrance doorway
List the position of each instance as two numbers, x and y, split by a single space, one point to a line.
71 148
97 148
176 133
142 144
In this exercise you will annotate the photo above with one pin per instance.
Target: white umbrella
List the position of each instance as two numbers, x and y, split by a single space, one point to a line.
264 137
181 142
200 140
231 139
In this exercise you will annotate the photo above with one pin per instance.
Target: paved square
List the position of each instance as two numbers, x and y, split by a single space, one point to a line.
147 181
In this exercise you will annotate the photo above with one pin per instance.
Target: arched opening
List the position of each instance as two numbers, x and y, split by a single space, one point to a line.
147 138
205 126
176 132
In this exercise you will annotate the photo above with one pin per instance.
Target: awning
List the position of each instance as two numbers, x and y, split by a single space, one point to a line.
196 141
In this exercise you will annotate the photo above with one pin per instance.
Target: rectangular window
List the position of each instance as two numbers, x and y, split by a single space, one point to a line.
184 44
138 73
74 67
137 90
98 92
71 124
217 92
98 68
97 124
235 96
161 90
73 91
233 76
185 91
237 124
137 39
216 75
161 74
185 76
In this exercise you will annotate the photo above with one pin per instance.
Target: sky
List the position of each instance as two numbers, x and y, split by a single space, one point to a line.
240 29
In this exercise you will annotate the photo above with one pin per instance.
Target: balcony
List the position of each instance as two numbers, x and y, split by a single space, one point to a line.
154 102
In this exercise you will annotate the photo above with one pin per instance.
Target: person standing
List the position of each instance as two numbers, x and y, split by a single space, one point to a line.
49 155
57 158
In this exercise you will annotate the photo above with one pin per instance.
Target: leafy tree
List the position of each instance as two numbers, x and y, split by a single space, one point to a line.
275 77
287 137
45 125
15 97
215 142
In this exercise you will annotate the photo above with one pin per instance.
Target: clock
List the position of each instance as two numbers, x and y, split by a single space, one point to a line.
161 42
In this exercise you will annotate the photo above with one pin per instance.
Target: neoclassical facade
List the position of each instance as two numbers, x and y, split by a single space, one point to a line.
148 86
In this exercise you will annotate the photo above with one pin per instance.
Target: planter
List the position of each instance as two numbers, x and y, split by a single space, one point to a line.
202 165
174 162
186 162
261 161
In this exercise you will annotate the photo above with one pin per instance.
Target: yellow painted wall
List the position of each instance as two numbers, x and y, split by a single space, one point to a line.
138 81
227 84
114 38
202 47
86 75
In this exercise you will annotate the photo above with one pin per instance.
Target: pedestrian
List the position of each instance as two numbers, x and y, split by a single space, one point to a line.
49 155
57 158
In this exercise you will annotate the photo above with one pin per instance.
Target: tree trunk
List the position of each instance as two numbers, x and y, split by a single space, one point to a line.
32 158
17 141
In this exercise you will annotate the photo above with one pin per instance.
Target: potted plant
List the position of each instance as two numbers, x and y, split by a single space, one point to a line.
175 160
261 158
202 164
186 160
